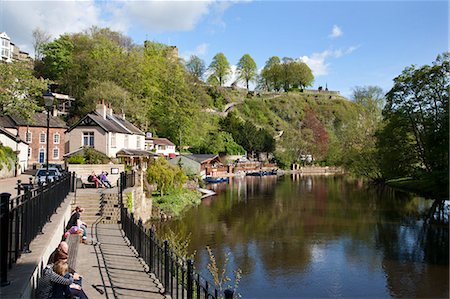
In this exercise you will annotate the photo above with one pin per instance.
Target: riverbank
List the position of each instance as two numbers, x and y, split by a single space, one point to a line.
425 187
174 203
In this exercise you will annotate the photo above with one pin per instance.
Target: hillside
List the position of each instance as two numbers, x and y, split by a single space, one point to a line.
300 123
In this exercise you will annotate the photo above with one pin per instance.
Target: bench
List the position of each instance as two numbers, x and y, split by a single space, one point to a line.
74 242
83 181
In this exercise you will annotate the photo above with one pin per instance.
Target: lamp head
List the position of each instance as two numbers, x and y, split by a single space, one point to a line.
48 99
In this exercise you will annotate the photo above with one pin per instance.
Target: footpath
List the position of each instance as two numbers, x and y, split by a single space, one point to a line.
108 262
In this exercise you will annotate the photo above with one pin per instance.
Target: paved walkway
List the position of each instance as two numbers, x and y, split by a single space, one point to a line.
113 267
10 184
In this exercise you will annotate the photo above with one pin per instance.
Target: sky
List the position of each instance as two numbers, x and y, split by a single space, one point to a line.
345 43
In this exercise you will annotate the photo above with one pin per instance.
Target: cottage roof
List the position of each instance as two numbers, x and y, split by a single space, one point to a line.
134 153
112 123
163 141
201 158
10 135
36 120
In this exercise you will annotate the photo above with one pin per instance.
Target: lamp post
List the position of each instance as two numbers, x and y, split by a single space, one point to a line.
48 100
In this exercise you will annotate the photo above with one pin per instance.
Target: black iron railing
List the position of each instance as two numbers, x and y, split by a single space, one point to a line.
22 218
175 273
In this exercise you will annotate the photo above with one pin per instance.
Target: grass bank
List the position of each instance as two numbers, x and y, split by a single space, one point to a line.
174 203
427 187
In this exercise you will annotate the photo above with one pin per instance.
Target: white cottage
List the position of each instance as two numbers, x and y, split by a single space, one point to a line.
106 132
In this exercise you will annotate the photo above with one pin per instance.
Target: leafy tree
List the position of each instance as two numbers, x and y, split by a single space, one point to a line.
196 66
108 91
419 100
164 175
20 91
318 136
246 68
271 74
220 67
40 38
358 151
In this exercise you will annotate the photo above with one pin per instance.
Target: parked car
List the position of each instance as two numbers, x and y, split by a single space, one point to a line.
41 175
57 166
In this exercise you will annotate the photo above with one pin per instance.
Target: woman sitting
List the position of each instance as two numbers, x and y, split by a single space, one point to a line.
66 291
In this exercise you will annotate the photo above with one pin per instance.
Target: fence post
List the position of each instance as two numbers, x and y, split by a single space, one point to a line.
166 267
228 294
190 279
19 186
4 214
152 240
140 238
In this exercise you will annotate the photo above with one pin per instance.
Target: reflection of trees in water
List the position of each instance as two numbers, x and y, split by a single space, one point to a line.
415 250
273 222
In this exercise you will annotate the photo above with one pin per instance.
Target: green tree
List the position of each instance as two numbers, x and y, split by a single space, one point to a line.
246 68
271 74
220 68
196 66
164 175
20 91
420 100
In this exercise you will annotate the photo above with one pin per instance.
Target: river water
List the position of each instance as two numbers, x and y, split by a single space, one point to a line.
320 237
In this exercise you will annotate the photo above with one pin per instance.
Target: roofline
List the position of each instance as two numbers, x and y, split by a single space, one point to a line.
83 118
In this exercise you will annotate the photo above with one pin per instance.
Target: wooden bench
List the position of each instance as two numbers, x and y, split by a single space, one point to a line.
74 242
85 183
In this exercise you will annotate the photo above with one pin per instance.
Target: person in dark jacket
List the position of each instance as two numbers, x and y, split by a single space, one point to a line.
49 277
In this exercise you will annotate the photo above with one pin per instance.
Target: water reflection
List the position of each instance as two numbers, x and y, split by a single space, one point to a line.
322 237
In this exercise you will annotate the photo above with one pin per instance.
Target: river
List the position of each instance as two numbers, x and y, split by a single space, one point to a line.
321 237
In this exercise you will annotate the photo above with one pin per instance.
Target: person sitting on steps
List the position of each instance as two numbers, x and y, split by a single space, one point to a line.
76 221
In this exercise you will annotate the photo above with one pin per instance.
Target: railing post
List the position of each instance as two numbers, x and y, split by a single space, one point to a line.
19 186
166 267
152 240
4 214
228 294
140 238
190 279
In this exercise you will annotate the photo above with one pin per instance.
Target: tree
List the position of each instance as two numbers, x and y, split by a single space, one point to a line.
220 67
271 73
20 91
195 66
419 100
246 68
164 175
40 38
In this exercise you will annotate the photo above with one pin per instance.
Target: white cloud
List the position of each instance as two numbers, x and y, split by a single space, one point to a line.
200 50
20 18
159 16
336 32
317 61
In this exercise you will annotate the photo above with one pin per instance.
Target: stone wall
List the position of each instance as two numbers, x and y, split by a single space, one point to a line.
142 206
5 172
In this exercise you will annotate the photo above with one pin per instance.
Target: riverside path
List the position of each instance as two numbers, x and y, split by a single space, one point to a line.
108 264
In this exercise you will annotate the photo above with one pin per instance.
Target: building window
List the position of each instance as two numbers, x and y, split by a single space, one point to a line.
29 152
126 141
56 153
138 142
56 138
113 139
42 138
88 139
28 137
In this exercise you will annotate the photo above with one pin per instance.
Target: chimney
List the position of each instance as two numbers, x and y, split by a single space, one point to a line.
101 109
110 110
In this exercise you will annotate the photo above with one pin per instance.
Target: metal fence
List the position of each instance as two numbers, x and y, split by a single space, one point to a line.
23 217
175 273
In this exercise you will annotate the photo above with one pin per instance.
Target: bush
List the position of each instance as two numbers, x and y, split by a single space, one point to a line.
179 199
76 159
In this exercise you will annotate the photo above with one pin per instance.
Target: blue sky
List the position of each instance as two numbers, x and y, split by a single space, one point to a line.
346 44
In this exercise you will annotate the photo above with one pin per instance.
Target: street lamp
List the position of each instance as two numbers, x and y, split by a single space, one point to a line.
48 101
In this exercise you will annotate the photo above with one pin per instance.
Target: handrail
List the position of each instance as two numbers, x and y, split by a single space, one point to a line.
22 218
177 274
